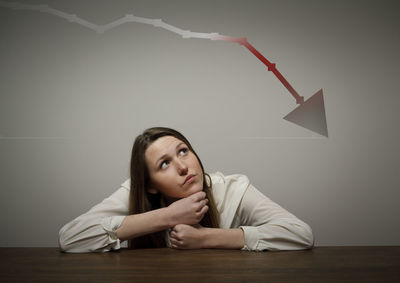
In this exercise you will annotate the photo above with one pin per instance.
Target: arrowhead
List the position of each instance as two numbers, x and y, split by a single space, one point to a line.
310 114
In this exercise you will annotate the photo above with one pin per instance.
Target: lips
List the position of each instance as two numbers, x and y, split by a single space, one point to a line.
189 179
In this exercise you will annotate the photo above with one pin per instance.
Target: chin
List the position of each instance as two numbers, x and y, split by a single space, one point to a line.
195 189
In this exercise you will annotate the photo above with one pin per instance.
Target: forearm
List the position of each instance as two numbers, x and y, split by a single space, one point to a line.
288 234
223 238
137 225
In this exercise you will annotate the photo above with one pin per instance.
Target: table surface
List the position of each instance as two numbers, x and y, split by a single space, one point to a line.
322 264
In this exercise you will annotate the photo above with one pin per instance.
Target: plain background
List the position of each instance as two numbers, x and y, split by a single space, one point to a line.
72 101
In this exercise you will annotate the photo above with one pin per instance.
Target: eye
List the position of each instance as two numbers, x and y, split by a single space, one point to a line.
164 164
183 151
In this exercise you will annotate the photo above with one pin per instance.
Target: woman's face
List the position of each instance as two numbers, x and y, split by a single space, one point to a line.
170 163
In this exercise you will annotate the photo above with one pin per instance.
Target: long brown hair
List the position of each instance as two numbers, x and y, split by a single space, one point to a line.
141 201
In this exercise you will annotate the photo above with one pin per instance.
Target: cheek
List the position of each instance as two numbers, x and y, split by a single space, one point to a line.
160 183
195 162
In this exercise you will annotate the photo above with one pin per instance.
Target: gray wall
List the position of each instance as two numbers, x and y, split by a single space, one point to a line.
72 101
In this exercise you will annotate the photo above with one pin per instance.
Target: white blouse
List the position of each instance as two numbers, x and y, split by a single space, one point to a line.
266 225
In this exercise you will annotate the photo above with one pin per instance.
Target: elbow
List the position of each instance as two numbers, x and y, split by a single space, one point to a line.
66 241
71 243
62 241
68 244
63 247
307 237
302 237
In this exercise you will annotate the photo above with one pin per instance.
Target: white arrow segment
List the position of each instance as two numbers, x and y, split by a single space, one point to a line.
103 28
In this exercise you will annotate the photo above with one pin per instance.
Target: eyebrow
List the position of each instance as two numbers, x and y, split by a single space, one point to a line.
165 155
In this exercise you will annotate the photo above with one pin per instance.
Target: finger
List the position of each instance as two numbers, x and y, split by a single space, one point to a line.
176 244
201 204
177 227
200 215
174 235
204 210
198 196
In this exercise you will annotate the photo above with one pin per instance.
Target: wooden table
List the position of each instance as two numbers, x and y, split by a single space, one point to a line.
322 264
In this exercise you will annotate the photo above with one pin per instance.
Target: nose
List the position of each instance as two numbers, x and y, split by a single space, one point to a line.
181 167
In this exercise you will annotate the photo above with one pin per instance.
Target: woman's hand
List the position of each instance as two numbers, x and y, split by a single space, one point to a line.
189 210
184 236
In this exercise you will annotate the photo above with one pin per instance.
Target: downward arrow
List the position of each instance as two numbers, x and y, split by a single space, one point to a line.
311 113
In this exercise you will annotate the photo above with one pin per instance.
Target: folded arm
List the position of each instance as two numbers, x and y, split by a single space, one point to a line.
268 226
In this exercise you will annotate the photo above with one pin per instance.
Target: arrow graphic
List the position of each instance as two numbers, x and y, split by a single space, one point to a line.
310 114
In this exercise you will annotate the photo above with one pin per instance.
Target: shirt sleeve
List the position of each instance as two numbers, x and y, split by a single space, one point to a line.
268 226
95 230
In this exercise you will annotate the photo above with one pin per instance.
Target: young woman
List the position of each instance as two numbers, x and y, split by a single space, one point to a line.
169 201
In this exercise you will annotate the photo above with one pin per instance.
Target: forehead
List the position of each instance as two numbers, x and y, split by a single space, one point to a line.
161 146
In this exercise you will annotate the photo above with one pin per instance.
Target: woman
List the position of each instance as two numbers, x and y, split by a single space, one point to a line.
170 201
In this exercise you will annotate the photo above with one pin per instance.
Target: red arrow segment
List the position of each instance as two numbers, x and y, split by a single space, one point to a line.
271 66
